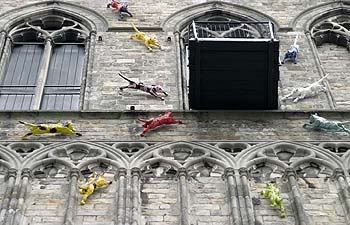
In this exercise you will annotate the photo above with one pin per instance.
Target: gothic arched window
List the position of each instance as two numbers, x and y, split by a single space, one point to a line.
332 37
229 62
334 30
44 70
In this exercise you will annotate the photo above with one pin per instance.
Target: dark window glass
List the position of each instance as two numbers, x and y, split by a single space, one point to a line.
62 88
18 84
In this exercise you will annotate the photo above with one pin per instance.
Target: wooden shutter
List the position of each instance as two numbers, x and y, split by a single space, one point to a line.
18 84
62 88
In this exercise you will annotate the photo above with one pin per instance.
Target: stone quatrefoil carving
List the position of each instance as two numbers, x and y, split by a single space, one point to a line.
56 28
335 30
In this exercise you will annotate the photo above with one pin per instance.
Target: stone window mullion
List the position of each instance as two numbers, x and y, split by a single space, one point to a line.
43 71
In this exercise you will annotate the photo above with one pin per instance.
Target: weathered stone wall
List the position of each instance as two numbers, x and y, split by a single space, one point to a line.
300 75
154 12
263 210
257 126
160 200
322 201
118 53
208 202
46 201
335 60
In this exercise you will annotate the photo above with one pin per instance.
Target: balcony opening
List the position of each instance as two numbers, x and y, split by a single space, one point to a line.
232 65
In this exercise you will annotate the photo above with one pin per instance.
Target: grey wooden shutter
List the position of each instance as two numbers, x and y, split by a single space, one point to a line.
62 88
18 84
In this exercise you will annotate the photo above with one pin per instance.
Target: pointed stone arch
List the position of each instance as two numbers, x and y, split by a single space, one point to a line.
8 158
296 149
305 19
346 162
177 24
331 28
85 149
206 159
45 162
181 152
178 169
322 162
93 20
178 20
106 161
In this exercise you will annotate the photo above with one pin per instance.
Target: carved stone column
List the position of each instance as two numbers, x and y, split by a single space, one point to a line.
121 198
11 174
297 202
181 80
25 176
5 56
243 172
182 174
90 60
42 76
232 189
85 69
135 196
3 36
320 69
343 190
72 197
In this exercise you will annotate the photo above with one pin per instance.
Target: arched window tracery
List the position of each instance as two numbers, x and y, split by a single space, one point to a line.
334 30
45 64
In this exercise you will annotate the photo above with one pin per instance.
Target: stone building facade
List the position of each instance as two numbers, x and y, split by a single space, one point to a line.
211 169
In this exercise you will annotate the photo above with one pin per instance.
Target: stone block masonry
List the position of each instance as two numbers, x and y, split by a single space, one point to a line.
46 201
124 126
159 201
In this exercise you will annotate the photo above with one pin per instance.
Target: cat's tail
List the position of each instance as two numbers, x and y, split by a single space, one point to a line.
135 28
28 124
320 80
296 40
125 78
